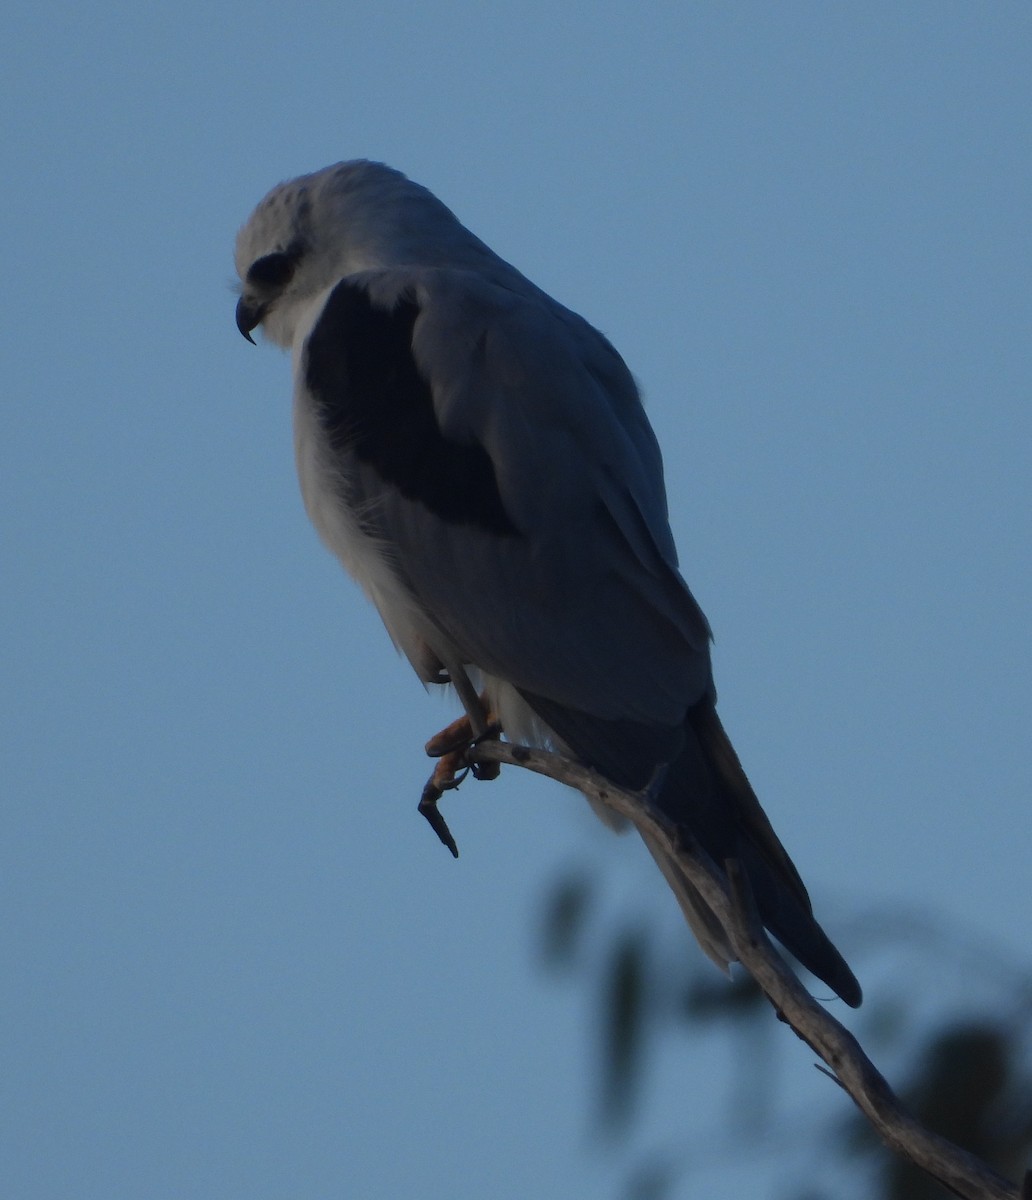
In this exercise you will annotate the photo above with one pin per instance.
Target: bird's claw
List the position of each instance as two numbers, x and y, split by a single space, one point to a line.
451 748
428 807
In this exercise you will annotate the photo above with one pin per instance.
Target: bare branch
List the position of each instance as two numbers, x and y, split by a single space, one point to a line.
728 895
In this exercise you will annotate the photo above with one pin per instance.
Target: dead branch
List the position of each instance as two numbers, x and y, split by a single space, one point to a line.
727 893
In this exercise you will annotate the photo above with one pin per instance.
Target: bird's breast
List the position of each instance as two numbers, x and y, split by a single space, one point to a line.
322 474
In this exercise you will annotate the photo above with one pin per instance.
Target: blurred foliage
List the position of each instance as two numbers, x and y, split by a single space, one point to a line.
567 910
625 979
961 1062
970 1088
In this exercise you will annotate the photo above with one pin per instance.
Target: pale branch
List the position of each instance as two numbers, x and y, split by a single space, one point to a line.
728 895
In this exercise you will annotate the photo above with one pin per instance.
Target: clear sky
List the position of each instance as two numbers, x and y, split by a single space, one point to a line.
235 962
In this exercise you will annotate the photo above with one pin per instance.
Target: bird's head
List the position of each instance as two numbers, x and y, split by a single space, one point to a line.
312 231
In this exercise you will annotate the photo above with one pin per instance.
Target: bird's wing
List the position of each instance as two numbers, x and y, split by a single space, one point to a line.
495 445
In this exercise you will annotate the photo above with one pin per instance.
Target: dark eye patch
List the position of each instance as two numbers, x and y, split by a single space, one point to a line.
272 271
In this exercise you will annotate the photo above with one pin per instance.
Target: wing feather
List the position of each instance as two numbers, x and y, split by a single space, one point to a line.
525 510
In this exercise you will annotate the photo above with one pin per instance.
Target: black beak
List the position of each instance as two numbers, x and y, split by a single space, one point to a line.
248 316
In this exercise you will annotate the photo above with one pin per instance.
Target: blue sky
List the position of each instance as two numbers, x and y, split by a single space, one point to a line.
236 962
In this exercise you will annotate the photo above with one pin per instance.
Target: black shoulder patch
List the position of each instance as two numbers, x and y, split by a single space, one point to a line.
374 403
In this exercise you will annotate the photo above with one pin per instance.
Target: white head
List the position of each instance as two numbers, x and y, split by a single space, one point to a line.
354 216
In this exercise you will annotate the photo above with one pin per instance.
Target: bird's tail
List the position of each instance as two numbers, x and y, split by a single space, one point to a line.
706 790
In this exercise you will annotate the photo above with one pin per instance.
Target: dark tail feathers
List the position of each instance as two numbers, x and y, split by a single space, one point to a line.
707 790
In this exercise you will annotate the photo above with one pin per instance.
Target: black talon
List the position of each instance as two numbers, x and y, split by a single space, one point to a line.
428 807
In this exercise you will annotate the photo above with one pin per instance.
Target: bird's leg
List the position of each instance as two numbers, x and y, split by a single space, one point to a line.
483 723
450 747
478 723
472 702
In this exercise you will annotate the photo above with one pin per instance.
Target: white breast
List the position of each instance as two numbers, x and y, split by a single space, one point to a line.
363 557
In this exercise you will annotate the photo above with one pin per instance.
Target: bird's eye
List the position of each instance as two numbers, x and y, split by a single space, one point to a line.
272 271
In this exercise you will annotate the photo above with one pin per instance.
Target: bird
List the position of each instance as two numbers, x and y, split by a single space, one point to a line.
479 459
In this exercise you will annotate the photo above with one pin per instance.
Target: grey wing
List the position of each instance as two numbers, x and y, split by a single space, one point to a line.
496 446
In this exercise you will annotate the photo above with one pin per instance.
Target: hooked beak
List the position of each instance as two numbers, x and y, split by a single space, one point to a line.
249 316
